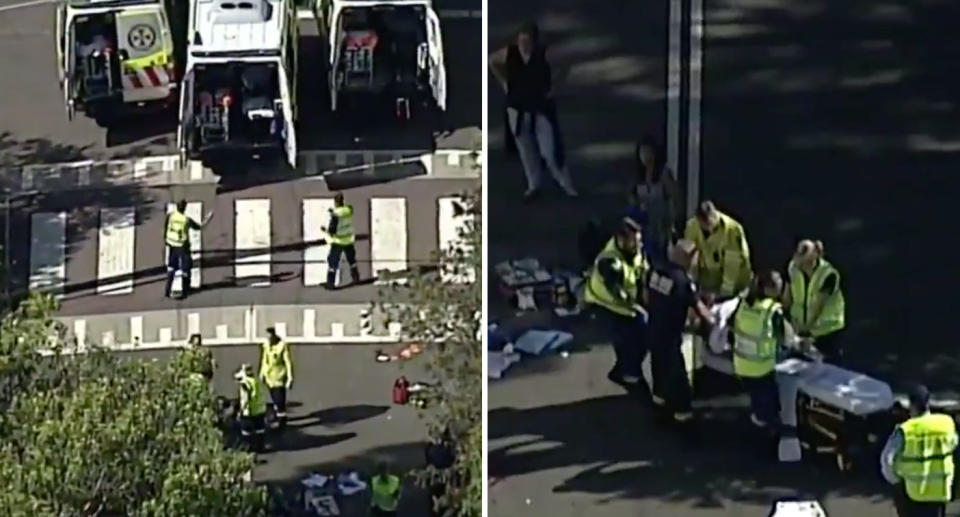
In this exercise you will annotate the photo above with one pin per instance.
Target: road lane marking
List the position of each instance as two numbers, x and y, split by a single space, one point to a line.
388 234
449 227
80 333
674 78
193 323
252 232
446 14
696 95
115 258
316 214
309 323
48 244
195 212
23 5
136 329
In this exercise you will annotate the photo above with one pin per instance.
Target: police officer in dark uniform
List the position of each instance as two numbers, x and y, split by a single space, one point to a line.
671 293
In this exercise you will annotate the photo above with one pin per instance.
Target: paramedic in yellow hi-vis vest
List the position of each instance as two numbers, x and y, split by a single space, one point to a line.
817 309
342 239
919 459
177 238
723 268
758 336
253 409
385 490
614 288
276 370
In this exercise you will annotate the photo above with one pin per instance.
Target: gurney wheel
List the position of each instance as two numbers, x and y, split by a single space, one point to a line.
843 463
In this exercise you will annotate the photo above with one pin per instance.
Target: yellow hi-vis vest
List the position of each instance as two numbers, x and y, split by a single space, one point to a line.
252 401
275 364
596 291
754 343
344 235
177 223
804 295
926 462
723 265
385 492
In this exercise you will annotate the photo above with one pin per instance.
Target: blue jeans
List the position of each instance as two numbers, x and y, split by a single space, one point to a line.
764 399
178 260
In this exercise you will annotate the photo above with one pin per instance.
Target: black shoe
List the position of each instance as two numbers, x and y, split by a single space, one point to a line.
530 195
616 378
329 286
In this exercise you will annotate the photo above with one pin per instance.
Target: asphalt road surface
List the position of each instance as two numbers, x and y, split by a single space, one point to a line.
279 261
34 127
341 417
824 120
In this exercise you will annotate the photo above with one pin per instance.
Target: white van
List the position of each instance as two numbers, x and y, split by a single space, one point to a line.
384 50
239 89
114 55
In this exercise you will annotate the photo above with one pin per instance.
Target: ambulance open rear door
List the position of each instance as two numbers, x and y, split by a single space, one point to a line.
186 123
438 70
289 124
66 46
334 34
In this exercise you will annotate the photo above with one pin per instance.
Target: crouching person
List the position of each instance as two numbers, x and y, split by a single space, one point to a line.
253 409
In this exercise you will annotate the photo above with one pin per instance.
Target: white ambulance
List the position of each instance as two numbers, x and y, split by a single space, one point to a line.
113 56
387 51
238 94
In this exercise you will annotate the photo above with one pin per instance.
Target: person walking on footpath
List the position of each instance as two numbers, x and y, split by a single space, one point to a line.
342 239
276 370
918 459
177 239
532 128
655 198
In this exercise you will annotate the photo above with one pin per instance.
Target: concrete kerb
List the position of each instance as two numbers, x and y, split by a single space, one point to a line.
353 324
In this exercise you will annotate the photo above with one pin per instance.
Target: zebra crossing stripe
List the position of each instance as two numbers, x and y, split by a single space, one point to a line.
48 242
315 215
116 251
252 232
195 212
388 234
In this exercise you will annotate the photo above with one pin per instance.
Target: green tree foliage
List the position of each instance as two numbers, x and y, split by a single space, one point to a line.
441 308
93 434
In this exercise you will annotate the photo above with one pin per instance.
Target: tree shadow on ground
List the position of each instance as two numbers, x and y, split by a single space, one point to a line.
402 458
83 207
635 460
337 416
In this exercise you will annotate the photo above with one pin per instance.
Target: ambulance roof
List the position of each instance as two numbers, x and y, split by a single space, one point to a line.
101 4
376 3
237 25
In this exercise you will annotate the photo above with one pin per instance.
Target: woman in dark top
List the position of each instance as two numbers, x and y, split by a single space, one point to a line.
655 198
524 73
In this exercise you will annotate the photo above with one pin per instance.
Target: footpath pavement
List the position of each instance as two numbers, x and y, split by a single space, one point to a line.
341 416
811 117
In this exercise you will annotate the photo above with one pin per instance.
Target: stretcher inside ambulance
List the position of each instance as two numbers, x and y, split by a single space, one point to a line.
235 106
113 55
388 51
831 409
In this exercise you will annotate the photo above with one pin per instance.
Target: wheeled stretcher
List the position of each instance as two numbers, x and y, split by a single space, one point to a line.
823 408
